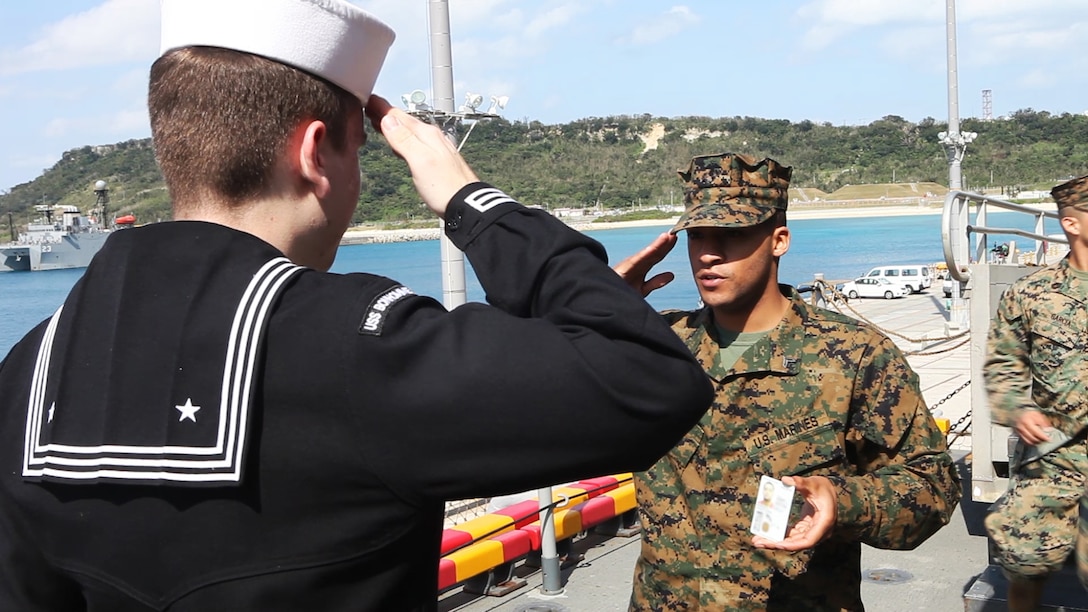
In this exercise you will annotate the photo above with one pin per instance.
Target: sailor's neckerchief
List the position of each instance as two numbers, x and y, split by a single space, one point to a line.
146 374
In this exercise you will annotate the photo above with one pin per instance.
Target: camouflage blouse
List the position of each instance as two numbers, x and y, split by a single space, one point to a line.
821 394
1037 353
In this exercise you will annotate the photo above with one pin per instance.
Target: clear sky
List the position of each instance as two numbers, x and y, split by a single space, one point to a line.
74 72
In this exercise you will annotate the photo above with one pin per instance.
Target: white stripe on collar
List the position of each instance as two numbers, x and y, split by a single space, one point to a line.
219 462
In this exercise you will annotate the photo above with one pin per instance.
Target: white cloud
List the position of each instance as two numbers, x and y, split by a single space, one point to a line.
128 121
552 19
674 21
990 31
37 161
101 127
59 127
830 20
1037 79
914 44
115 31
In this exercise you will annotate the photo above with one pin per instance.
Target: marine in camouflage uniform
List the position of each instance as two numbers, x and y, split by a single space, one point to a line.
820 394
1037 364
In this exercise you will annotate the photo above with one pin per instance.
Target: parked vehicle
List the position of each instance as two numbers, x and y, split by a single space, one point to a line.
947 285
874 286
915 277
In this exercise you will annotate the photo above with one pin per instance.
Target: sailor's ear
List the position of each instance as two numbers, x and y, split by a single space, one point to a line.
308 145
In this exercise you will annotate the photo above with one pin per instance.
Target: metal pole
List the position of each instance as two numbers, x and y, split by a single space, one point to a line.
549 555
453 260
955 146
955 178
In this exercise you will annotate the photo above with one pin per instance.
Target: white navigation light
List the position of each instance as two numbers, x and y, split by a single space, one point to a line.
415 101
473 101
497 104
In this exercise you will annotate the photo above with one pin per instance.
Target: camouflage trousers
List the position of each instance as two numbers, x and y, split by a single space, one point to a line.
1034 526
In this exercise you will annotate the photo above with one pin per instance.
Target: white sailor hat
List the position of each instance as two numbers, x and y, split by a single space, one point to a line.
331 39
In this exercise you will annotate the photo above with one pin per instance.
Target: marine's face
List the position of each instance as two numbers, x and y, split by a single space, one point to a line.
735 267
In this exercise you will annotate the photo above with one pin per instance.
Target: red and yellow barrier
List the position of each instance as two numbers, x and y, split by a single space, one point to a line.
502 538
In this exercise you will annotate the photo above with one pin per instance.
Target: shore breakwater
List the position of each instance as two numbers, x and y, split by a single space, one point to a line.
383 236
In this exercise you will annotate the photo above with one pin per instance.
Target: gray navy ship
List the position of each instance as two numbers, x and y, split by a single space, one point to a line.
60 238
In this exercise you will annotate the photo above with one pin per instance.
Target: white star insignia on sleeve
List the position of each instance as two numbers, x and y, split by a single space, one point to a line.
188 410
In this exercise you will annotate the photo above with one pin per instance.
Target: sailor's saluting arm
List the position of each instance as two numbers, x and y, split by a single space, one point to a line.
438 170
570 372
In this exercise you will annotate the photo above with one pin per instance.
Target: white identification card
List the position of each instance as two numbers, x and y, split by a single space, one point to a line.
771 516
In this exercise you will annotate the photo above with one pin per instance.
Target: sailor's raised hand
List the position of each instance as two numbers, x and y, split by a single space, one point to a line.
438 170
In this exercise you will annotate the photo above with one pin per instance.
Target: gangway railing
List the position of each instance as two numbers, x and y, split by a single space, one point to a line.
957 230
991 444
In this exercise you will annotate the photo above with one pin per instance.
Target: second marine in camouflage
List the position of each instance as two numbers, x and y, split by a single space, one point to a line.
1037 383
800 391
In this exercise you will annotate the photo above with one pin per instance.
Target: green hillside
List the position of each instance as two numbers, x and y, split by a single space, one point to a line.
628 164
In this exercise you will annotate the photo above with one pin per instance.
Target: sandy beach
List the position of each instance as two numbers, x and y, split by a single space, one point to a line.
801 211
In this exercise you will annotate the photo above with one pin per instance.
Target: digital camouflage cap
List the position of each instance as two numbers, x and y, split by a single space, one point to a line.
732 190
1072 193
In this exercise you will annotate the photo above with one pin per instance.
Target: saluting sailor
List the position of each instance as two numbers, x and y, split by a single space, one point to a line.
214 422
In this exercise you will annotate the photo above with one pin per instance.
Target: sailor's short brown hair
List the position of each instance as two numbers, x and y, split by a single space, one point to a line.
221 119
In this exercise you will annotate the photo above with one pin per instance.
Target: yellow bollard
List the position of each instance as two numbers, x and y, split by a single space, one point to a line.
943 424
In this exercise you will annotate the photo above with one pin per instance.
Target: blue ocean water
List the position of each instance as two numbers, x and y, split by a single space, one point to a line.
840 249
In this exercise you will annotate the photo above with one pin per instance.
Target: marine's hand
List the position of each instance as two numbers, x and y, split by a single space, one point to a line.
1031 426
634 269
817 518
437 168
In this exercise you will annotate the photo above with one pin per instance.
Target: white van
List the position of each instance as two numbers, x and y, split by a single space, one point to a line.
915 277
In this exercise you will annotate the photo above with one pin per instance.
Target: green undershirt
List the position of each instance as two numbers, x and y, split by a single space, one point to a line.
731 344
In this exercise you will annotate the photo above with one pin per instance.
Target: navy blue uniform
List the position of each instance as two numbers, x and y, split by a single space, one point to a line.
205 426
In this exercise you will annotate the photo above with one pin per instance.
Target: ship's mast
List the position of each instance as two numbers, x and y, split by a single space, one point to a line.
101 202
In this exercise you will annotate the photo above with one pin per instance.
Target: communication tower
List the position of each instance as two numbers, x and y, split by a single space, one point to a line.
987 105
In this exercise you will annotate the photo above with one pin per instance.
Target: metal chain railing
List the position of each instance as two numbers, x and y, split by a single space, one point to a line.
839 298
924 353
954 428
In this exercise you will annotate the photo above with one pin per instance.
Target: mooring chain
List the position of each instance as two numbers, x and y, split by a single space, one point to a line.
835 293
955 428
949 396
958 433
923 352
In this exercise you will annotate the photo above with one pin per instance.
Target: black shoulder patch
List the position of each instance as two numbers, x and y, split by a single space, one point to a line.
374 319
